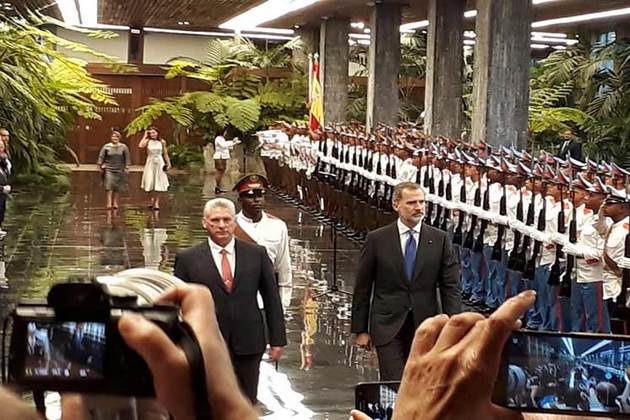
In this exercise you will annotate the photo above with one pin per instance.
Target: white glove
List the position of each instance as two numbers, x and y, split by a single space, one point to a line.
6 189
559 238
573 249
518 225
623 263
502 220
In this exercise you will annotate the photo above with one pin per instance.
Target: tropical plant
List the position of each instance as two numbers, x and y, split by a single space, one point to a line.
412 69
42 91
185 155
584 90
242 94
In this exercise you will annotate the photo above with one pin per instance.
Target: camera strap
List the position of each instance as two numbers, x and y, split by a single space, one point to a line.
194 355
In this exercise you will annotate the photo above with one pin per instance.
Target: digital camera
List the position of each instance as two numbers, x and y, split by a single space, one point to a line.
71 343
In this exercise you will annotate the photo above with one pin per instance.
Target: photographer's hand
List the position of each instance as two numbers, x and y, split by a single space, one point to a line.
168 364
454 363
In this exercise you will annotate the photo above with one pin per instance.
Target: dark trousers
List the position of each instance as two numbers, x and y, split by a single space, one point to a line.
247 369
393 355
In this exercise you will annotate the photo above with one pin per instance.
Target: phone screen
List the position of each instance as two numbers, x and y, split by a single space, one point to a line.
65 350
576 373
377 399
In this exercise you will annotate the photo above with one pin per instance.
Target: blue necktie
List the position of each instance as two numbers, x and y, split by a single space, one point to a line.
410 255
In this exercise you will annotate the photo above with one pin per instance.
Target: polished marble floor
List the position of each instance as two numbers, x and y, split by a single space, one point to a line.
56 235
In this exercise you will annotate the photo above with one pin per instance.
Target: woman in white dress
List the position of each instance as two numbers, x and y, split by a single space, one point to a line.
154 178
222 149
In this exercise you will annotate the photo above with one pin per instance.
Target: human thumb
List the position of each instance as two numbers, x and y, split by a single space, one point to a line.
358 415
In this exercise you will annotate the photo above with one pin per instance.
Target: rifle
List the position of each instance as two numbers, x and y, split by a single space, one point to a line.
449 197
470 235
438 211
554 276
519 255
430 184
530 266
484 223
570 269
458 236
516 249
497 249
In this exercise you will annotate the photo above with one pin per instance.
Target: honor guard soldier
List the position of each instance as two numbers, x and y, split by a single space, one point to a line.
616 208
588 311
255 225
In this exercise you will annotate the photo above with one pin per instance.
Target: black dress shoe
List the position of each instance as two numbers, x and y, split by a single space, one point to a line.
219 191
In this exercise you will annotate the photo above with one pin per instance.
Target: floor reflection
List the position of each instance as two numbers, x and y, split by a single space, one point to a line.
53 236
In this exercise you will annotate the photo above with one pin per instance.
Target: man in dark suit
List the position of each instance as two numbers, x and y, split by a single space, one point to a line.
235 271
401 268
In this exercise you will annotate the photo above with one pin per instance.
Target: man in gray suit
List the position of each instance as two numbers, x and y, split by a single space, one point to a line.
401 268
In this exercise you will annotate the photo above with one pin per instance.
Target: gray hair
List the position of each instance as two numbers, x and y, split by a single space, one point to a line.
222 203
398 190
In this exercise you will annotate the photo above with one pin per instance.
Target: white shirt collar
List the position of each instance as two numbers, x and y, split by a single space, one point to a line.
622 222
241 215
218 248
402 228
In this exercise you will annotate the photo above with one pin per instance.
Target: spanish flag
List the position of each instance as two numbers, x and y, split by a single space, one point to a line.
316 98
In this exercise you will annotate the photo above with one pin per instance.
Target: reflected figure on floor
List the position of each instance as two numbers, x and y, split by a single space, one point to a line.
4 281
310 309
113 242
113 161
153 239
154 178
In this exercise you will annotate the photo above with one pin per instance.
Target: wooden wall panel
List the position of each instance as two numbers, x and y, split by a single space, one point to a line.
131 91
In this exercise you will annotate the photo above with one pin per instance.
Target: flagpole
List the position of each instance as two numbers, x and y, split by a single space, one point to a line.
310 80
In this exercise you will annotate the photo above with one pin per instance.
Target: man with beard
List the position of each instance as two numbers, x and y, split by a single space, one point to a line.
257 226
401 269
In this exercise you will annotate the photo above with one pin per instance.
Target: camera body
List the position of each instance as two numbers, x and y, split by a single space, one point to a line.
71 343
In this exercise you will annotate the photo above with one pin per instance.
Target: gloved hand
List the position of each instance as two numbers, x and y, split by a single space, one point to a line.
6 189
559 238
623 263
573 249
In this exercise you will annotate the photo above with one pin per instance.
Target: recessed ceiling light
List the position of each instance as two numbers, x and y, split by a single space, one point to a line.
582 18
265 12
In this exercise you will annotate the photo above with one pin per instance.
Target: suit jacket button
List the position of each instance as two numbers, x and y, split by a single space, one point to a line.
409 309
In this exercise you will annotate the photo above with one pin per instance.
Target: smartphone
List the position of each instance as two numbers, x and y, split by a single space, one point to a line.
557 373
376 399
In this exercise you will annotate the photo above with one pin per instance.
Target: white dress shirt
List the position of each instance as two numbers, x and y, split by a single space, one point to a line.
222 148
615 247
404 236
216 249
272 233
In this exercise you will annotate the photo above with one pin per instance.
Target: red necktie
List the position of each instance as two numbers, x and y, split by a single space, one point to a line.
226 271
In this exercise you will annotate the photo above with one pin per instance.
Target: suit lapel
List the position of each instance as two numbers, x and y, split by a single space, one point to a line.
238 253
214 273
397 253
424 246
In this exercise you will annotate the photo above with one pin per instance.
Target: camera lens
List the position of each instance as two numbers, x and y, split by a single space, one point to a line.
146 283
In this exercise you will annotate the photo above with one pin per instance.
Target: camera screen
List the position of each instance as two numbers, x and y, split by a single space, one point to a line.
568 374
377 400
65 350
